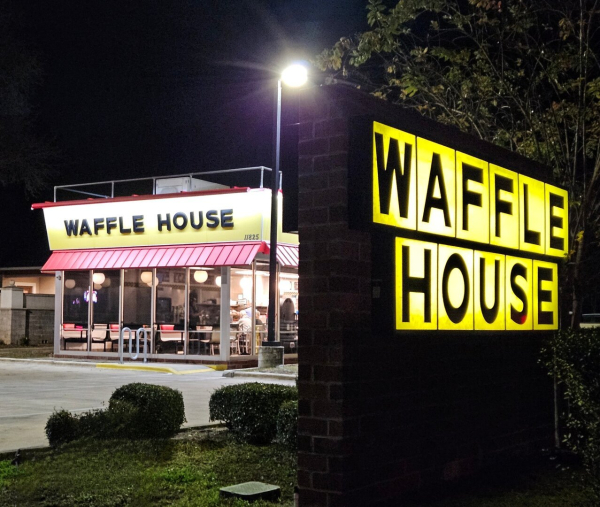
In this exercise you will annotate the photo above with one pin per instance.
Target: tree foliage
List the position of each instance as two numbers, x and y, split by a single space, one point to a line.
572 357
521 74
25 157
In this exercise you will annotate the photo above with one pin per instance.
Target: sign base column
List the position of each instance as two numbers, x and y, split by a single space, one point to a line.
270 355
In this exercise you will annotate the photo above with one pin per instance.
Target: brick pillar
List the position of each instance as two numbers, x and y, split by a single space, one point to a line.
335 281
382 412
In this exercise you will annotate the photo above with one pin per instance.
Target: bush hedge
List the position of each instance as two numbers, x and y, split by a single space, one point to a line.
147 411
573 357
135 411
61 427
95 424
287 424
250 410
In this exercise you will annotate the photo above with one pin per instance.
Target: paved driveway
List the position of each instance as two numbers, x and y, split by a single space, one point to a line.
29 393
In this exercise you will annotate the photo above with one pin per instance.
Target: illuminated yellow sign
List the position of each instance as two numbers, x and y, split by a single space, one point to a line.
416 284
393 187
489 290
504 203
426 187
448 288
429 188
180 219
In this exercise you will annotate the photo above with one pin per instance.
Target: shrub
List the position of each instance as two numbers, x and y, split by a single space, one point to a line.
146 411
250 410
573 357
287 424
61 427
96 424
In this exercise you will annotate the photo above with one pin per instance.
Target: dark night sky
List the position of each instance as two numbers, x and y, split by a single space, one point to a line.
143 88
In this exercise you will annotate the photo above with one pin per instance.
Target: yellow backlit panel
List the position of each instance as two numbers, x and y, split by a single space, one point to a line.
416 284
531 215
180 219
455 288
394 177
557 221
504 207
545 288
436 193
489 291
519 300
472 199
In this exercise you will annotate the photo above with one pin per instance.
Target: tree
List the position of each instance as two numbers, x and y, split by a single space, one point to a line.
521 74
25 158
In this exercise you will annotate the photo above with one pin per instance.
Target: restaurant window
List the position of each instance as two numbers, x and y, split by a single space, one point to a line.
76 297
204 311
137 299
170 311
247 323
288 309
240 311
105 310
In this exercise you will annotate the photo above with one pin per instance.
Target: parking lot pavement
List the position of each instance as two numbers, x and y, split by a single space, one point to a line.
29 393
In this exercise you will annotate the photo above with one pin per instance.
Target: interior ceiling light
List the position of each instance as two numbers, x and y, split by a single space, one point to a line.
200 276
98 278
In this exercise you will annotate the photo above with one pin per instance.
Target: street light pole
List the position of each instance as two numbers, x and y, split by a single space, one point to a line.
294 76
272 309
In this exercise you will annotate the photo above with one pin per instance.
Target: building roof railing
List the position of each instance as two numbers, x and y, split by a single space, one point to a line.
78 187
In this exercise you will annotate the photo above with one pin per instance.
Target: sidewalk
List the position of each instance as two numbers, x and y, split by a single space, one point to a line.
288 372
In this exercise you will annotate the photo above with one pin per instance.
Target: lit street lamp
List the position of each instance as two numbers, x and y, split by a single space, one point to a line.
294 76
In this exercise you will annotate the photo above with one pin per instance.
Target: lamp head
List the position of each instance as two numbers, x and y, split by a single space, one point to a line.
295 75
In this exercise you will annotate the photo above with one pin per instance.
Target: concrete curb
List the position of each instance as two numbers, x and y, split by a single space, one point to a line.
151 367
258 375
49 361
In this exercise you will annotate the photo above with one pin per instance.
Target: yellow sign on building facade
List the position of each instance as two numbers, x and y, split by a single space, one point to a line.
163 220
425 187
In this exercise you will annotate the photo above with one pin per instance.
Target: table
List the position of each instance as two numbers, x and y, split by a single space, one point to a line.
76 335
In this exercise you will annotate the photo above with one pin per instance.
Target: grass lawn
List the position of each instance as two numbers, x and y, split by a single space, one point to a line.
20 352
536 483
188 470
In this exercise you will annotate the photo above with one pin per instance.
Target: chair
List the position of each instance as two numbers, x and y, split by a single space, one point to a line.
234 343
204 336
261 334
100 334
243 343
113 334
215 340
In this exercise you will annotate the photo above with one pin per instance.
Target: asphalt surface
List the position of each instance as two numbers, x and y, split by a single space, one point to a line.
31 390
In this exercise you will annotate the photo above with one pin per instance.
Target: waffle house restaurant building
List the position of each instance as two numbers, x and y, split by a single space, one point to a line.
190 269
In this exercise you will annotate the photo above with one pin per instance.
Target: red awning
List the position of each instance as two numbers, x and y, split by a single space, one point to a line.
287 255
228 254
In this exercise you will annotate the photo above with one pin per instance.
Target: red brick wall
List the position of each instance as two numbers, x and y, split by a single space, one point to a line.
383 414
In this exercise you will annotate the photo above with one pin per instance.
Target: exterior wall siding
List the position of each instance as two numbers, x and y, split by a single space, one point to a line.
35 324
